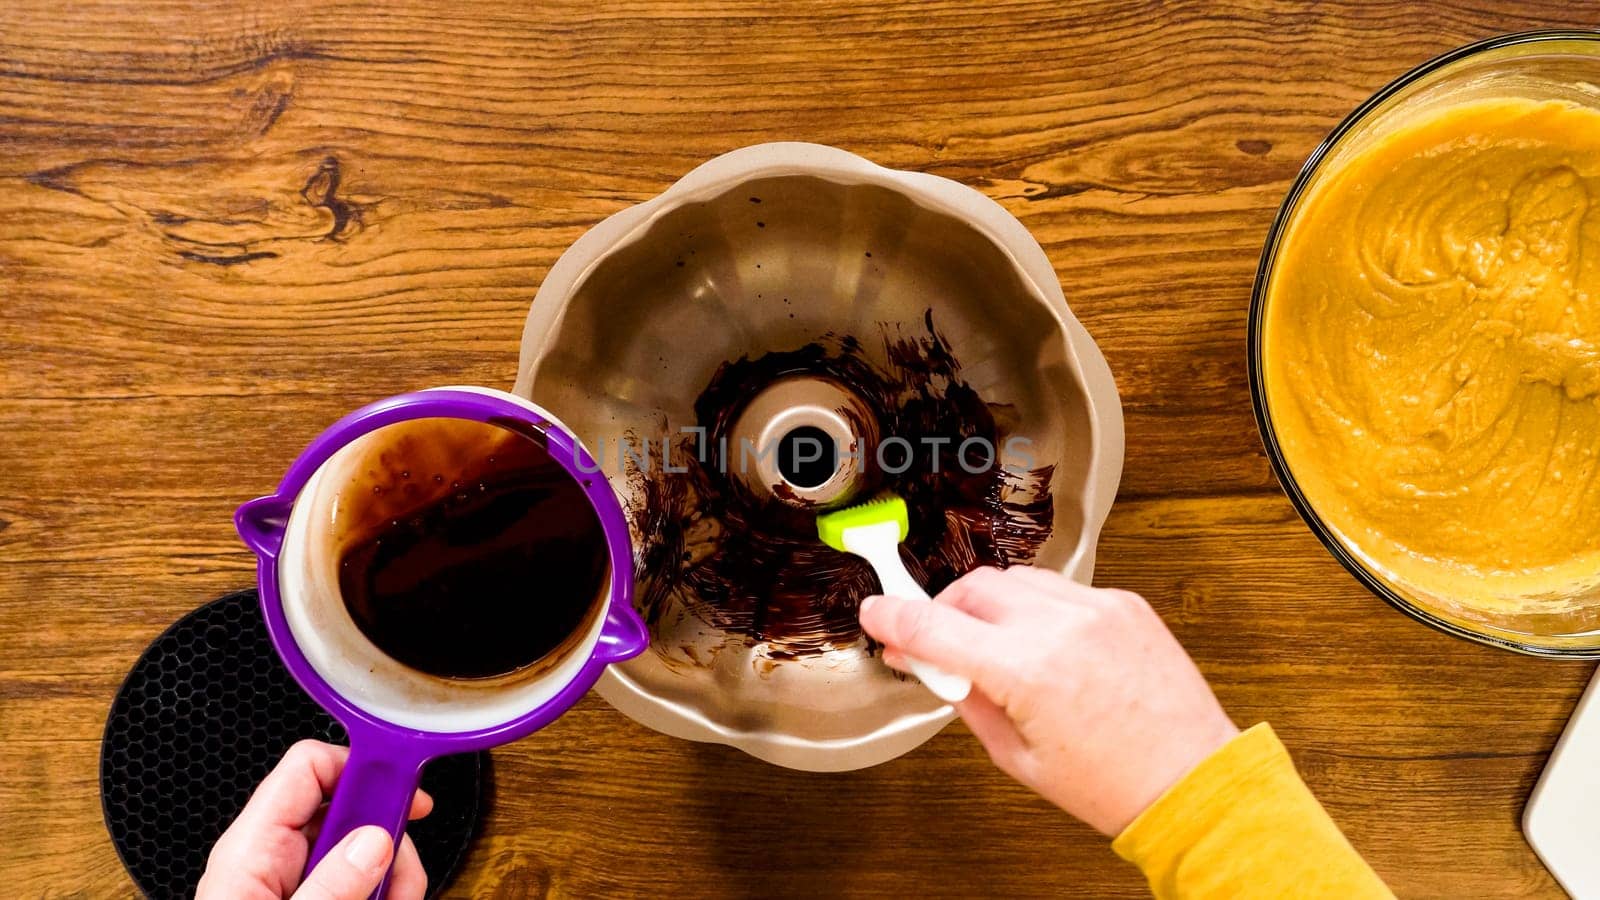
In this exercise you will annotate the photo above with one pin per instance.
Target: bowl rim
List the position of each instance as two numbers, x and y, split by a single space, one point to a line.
1258 299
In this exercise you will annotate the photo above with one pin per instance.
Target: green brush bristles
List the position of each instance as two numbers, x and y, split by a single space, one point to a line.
832 526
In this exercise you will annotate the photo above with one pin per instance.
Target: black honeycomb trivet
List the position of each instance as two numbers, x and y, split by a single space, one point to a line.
203 716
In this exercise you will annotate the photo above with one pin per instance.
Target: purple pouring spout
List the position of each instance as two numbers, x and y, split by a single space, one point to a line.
624 636
262 522
387 756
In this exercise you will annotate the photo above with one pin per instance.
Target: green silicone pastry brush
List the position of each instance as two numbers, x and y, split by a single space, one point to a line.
873 531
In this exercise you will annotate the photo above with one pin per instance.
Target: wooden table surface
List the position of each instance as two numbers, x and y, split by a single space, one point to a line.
225 222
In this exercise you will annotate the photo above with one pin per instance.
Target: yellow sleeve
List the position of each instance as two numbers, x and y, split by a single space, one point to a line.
1243 824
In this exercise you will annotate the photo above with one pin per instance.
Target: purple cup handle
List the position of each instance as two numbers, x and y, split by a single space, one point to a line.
376 788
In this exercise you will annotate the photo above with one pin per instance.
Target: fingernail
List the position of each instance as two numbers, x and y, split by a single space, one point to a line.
369 849
868 604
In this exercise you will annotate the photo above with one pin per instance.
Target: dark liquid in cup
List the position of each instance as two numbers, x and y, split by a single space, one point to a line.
475 555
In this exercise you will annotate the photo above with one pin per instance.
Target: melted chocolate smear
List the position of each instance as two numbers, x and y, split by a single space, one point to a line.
753 566
482 578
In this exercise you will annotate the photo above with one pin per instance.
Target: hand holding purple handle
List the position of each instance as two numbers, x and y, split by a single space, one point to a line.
386 758
376 788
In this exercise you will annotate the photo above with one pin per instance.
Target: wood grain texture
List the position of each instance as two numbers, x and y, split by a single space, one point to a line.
222 224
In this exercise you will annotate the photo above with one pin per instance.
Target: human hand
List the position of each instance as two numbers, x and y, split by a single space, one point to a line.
261 855
1081 694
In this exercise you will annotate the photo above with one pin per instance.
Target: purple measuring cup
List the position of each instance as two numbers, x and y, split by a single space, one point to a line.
399 719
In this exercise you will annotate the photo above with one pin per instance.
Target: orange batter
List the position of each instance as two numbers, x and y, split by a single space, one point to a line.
1432 353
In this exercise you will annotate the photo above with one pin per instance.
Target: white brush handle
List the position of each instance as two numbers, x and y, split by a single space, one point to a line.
879 545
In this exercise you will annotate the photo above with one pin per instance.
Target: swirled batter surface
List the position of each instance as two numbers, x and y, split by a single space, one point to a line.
1432 353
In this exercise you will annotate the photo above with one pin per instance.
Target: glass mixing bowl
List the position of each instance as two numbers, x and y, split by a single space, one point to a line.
1537 65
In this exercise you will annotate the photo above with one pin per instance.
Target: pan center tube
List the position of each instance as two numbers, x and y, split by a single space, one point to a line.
804 440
